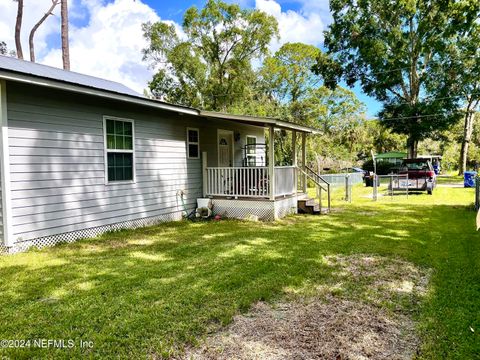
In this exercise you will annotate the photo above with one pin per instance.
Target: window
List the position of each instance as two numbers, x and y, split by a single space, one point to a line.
251 150
119 140
193 143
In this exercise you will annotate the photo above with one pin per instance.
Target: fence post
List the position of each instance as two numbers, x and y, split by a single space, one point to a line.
375 179
347 188
477 193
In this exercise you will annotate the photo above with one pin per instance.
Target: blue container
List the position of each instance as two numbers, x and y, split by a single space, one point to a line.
469 179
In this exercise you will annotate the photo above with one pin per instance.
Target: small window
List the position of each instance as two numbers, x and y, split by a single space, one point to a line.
119 151
251 151
193 143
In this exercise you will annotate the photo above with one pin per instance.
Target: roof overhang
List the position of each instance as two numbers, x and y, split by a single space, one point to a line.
141 101
259 121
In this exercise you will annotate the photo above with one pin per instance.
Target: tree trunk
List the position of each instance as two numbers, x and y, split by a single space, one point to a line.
35 28
18 29
467 136
65 44
412 145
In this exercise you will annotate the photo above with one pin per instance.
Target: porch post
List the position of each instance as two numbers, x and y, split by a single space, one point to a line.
304 161
294 161
271 162
204 173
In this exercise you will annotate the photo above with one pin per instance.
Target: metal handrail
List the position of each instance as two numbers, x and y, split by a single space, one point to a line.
318 176
319 186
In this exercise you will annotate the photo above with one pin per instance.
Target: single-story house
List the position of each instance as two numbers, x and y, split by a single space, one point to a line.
392 157
81 155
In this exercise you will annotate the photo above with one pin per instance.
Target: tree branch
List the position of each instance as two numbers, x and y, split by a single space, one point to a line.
37 25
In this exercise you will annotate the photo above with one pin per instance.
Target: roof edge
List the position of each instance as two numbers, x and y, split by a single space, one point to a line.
261 121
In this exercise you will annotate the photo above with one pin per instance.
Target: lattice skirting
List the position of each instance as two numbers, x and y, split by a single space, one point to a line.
88 233
286 207
265 210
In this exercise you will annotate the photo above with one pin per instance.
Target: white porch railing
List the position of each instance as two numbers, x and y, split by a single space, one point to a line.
238 181
252 182
285 180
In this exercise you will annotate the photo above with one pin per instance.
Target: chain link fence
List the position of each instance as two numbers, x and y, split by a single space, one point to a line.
390 185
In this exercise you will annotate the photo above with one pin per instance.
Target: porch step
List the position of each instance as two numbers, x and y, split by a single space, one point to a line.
310 206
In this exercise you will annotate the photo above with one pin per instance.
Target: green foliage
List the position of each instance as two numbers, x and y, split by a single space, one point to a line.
391 48
210 67
288 75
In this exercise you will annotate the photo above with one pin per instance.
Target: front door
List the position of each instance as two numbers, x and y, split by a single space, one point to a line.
225 148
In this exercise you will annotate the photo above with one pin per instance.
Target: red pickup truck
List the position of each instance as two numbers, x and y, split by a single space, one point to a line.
421 176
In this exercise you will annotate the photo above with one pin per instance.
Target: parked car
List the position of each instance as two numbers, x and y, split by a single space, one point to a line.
421 176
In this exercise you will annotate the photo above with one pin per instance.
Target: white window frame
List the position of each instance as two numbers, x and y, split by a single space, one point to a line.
251 155
106 151
193 143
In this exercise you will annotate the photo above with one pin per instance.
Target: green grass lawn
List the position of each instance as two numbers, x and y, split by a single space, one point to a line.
148 293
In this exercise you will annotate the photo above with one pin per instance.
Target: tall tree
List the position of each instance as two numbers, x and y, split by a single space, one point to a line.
211 67
18 29
288 73
64 34
462 67
389 47
37 25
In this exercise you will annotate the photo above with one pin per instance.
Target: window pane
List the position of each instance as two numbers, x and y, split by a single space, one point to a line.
120 167
192 136
110 142
119 173
111 173
127 128
193 150
111 159
118 127
119 142
127 160
128 145
110 127
128 173
251 145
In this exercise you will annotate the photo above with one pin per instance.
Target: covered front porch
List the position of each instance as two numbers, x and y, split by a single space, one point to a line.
255 185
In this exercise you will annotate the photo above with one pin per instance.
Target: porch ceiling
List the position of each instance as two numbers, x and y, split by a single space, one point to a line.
259 121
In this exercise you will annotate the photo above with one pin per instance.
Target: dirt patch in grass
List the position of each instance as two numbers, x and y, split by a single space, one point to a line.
365 313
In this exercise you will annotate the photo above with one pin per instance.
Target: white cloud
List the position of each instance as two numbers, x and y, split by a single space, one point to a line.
110 45
306 27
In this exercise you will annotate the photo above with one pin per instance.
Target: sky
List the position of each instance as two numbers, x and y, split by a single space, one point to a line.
106 37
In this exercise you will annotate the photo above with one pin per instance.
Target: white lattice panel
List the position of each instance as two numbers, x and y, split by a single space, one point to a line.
88 233
242 209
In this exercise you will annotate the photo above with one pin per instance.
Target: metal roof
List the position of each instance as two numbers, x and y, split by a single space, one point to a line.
28 72
49 72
